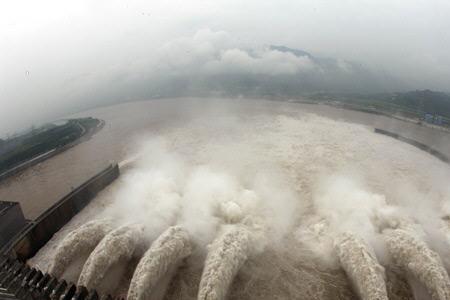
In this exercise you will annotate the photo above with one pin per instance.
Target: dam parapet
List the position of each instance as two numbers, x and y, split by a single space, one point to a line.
20 281
441 156
23 239
12 221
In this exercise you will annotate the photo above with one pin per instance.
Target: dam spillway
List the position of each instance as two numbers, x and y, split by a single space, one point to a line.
275 191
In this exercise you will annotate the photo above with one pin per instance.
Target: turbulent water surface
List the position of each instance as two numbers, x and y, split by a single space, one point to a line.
277 200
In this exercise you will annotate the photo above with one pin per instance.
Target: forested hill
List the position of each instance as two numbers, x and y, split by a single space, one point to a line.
434 107
425 101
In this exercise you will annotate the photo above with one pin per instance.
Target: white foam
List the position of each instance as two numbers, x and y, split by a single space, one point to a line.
362 267
417 259
161 258
225 257
81 240
117 246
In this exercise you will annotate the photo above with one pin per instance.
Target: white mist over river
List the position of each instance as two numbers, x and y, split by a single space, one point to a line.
297 190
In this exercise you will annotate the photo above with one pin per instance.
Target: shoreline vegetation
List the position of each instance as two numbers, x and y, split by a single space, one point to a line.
422 107
425 108
38 144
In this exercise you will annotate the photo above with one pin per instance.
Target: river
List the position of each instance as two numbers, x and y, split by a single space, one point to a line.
41 185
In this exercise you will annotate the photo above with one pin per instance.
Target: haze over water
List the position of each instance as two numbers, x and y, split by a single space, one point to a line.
38 187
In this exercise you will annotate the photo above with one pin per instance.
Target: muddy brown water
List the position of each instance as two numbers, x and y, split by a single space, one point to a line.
40 186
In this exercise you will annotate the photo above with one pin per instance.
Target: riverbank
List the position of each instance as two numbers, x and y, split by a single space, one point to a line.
40 186
87 130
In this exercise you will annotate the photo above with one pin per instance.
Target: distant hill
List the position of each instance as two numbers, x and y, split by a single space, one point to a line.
296 52
422 105
426 101
328 75
236 78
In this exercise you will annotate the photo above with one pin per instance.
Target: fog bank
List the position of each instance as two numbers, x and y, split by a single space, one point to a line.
60 57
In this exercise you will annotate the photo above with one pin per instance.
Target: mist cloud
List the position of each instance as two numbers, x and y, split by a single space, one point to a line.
69 56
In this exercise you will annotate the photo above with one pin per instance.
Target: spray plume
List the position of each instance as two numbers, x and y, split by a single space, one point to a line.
225 257
161 258
82 240
417 259
210 172
361 266
117 246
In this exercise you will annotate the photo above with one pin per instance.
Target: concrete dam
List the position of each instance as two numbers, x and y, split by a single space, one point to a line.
284 206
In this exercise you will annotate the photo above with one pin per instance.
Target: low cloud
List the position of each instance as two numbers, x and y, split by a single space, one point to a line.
70 57
210 52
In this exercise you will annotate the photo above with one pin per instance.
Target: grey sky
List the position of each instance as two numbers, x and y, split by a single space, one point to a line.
57 56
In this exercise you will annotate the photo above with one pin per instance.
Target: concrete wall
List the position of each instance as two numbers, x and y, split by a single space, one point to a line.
417 144
12 221
19 281
40 231
44 156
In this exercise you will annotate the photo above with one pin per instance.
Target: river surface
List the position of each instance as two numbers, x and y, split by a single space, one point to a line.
40 186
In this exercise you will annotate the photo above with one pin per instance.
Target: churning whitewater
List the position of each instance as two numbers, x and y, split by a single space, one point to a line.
226 256
361 266
164 255
78 242
414 256
249 204
116 247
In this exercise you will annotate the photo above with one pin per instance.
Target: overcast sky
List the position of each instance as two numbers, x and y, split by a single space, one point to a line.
58 56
